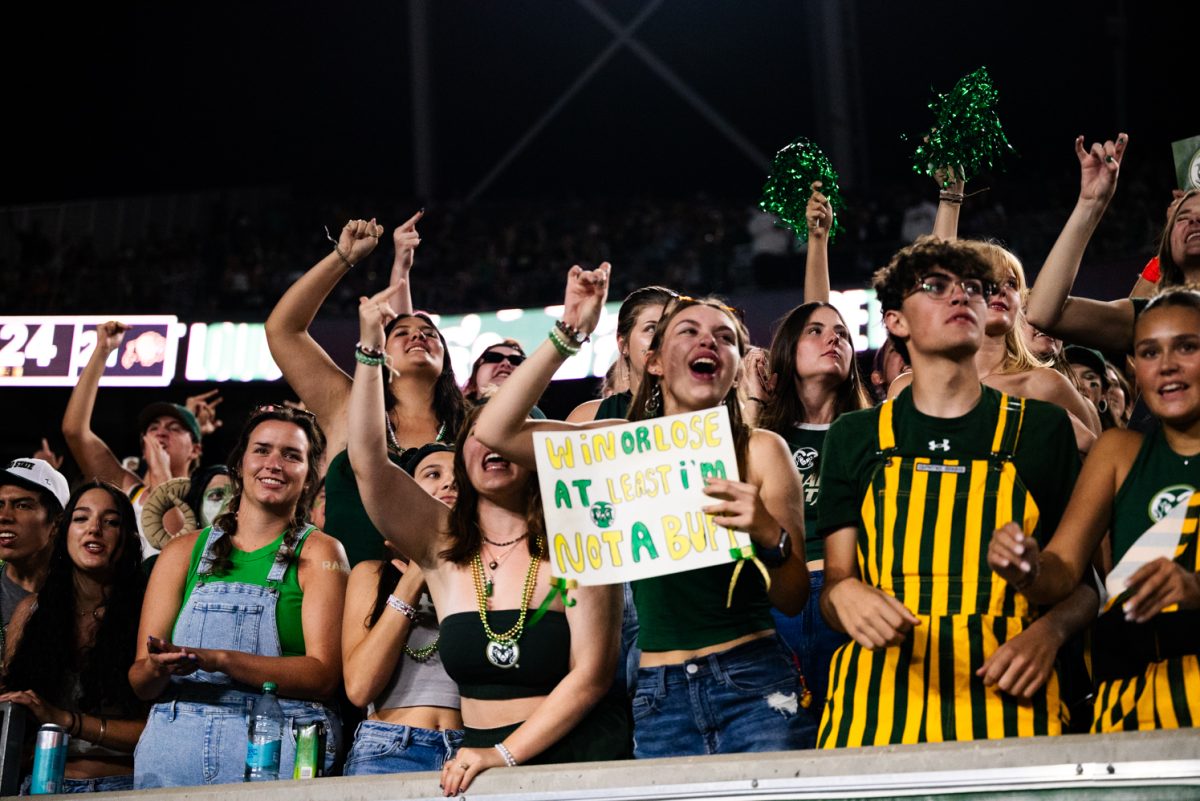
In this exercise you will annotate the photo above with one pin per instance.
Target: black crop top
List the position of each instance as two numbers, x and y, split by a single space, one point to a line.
544 655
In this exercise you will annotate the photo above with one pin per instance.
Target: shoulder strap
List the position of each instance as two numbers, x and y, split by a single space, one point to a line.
1008 427
885 440
284 557
206 556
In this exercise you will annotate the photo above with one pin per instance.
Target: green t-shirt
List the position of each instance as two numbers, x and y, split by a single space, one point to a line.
1158 480
1046 458
805 441
252 567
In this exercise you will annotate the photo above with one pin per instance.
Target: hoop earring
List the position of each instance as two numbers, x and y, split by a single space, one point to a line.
1102 406
654 401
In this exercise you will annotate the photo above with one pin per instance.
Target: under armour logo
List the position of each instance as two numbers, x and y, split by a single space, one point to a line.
934 445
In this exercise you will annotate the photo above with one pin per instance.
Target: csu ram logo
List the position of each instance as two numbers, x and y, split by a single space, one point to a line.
1167 499
804 458
602 513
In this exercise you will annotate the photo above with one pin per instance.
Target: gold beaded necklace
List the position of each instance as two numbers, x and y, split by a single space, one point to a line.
502 649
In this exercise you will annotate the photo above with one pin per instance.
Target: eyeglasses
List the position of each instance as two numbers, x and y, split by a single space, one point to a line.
268 408
495 357
941 287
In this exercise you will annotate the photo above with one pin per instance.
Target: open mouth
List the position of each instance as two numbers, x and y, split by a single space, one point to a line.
1194 236
1000 307
270 482
494 461
1172 390
93 547
7 538
704 367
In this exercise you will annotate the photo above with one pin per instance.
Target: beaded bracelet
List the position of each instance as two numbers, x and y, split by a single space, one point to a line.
404 608
565 348
373 357
338 249
509 759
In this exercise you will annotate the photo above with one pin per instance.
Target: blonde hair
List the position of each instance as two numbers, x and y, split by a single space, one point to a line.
1018 358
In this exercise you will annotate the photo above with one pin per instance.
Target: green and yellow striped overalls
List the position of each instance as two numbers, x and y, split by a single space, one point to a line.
1164 692
926 527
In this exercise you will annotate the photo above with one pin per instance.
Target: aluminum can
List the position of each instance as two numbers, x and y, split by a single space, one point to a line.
310 750
49 760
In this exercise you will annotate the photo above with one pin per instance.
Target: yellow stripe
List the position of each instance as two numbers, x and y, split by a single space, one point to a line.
998 437
933 720
1163 701
972 544
942 533
916 682
887 437
836 704
1145 699
1004 513
887 694
1013 627
858 715
914 531
964 720
1191 686
869 528
994 708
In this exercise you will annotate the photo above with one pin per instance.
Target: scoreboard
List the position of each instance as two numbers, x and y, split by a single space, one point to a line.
51 351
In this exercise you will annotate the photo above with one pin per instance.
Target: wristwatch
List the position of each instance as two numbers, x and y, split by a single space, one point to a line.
573 334
775 557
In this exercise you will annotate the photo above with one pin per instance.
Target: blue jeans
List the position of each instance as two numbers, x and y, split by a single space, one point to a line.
190 743
389 748
103 784
813 642
741 700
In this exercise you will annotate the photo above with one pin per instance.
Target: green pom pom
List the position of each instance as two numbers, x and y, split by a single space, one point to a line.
966 132
789 186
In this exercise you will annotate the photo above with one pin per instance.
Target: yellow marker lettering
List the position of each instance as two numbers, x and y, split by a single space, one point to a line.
677 544
627 487
710 430
612 491
698 526
593 552
660 438
562 549
679 434
613 539
560 456
664 473
605 446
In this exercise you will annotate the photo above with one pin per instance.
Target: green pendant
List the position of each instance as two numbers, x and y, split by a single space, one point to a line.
487 587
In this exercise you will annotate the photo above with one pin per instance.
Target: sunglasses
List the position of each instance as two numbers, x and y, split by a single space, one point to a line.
269 408
495 357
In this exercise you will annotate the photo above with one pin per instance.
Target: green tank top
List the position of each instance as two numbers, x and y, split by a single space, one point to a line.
686 611
345 517
614 407
805 441
252 567
1158 480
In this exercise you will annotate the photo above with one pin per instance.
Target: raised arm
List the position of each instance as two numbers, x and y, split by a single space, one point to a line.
816 261
320 383
950 200
406 239
595 623
503 425
94 457
1051 307
404 513
369 655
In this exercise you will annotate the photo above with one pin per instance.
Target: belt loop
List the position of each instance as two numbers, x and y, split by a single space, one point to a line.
171 708
405 736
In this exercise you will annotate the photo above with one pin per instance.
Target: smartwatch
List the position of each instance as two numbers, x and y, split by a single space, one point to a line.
775 557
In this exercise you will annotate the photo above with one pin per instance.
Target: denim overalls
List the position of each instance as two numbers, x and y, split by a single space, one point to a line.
196 734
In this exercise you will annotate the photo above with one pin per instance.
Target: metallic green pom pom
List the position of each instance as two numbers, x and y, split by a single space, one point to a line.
789 186
966 132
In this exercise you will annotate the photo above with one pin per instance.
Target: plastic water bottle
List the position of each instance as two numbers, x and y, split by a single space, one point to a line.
265 737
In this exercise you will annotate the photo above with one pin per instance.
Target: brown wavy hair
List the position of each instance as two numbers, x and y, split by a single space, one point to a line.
463 526
227 521
651 383
1170 273
786 408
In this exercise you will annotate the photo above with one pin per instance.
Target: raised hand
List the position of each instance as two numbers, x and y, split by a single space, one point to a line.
949 180
756 372
109 335
374 313
158 461
47 455
204 407
819 213
406 239
1014 555
358 239
1158 585
586 293
1099 168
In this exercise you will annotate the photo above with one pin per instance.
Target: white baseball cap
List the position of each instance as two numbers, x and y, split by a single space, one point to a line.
39 475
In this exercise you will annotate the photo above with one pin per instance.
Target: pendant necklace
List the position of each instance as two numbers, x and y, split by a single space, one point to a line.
494 563
502 649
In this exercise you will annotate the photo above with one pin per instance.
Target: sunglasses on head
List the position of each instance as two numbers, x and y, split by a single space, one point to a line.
268 408
677 300
495 357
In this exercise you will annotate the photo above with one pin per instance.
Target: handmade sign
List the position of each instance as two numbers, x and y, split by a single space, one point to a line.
624 502
1166 539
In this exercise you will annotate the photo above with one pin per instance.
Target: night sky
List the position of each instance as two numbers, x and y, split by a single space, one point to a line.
138 98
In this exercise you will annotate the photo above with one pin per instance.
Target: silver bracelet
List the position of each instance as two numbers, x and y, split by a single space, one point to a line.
406 609
509 759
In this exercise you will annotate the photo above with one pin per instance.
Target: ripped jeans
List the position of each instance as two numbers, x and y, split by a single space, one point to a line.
740 700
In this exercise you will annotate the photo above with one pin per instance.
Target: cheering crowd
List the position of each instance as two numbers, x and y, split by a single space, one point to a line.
949 549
